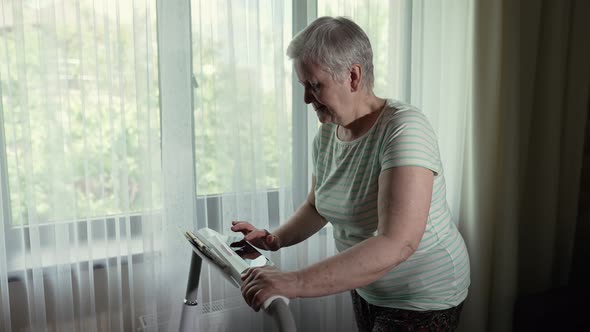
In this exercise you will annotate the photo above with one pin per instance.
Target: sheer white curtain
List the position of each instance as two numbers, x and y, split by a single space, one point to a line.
80 161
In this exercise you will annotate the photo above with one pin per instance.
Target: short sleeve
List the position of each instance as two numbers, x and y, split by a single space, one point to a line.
410 141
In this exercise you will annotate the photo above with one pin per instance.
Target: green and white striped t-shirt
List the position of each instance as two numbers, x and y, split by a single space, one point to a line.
436 276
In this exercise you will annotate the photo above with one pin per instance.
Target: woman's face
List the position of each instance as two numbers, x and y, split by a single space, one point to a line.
330 99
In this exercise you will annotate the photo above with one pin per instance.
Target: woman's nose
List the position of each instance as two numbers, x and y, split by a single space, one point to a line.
308 97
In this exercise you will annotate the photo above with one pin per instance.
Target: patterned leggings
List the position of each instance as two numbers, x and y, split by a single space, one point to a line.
371 318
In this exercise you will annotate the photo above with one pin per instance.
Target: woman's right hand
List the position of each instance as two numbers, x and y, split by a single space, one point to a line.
260 238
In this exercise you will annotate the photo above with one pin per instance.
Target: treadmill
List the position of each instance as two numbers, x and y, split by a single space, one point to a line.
230 256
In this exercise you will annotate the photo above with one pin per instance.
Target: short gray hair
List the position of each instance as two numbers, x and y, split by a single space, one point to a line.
335 44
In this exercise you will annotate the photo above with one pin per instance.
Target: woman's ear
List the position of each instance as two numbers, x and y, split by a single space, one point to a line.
355 77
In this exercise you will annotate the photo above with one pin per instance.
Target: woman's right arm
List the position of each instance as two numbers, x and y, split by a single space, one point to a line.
305 222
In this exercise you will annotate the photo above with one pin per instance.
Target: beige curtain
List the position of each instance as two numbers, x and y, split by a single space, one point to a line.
524 152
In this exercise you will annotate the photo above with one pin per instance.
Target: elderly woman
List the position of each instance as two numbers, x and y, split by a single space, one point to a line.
378 179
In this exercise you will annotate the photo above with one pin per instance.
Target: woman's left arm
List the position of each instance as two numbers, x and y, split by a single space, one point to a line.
403 205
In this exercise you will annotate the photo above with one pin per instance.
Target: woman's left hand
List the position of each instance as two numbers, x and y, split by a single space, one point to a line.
260 283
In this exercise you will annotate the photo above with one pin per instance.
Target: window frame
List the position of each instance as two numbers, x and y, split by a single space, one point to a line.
6 209
303 13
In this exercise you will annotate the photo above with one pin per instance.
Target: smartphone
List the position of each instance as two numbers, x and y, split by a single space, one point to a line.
247 252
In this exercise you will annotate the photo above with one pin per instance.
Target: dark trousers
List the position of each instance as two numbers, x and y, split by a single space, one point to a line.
371 318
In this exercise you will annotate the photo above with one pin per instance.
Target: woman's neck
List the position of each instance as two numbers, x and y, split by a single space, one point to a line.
365 114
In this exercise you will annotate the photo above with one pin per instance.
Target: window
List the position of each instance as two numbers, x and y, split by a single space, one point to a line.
81 115
242 103
79 86
81 118
80 101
